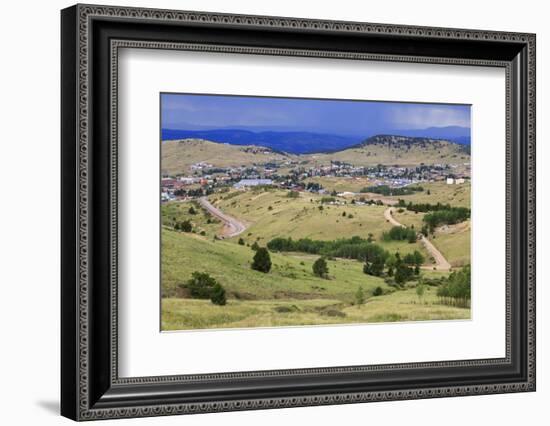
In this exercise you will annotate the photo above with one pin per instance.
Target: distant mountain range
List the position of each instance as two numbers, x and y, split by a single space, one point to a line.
308 142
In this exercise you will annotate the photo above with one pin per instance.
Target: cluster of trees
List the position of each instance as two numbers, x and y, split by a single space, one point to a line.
399 233
437 214
422 207
199 192
446 217
368 202
350 248
457 290
184 226
314 186
293 194
377 260
405 268
388 190
203 286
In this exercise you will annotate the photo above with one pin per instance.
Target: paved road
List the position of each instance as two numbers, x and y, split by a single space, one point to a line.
441 264
232 227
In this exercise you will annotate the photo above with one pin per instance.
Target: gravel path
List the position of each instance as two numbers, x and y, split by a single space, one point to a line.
441 264
232 227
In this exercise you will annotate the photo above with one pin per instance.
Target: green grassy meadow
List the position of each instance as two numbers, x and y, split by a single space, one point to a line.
290 294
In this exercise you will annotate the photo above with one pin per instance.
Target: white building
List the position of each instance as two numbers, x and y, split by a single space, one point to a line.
450 181
247 183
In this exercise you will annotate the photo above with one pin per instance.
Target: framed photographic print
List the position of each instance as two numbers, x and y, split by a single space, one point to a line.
263 212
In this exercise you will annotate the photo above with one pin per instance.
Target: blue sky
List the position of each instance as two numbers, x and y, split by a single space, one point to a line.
204 112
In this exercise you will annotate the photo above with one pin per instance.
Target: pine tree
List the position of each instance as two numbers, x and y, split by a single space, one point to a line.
320 268
217 296
262 260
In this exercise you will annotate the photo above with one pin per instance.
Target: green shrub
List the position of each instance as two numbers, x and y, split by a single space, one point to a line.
359 296
217 296
200 286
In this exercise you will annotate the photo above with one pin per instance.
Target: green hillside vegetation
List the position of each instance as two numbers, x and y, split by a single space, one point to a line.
201 221
290 294
301 218
319 258
452 240
229 263
181 314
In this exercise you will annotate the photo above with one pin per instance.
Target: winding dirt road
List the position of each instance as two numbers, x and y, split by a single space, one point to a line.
231 226
441 264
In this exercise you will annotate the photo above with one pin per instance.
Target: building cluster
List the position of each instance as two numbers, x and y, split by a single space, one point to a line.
296 175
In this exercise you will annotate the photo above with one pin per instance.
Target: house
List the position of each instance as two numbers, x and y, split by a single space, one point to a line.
450 181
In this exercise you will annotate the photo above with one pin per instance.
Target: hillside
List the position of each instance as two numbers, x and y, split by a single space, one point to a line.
179 155
398 150
272 214
289 295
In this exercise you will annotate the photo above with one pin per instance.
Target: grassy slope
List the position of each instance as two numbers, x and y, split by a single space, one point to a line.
301 218
455 195
179 211
177 156
179 314
229 263
371 155
453 242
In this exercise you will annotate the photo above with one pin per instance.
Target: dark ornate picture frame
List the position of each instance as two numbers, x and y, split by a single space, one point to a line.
90 38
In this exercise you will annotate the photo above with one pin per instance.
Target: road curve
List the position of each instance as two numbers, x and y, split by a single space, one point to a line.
441 264
232 227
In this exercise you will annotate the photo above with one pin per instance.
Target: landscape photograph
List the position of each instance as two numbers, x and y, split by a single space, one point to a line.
279 211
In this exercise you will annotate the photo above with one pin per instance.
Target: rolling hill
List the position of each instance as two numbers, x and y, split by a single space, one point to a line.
179 155
398 150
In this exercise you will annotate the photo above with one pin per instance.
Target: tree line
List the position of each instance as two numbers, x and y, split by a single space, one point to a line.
388 190
457 290
399 233
377 261
437 214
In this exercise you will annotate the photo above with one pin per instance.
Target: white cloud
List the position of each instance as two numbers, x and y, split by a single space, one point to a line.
430 116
